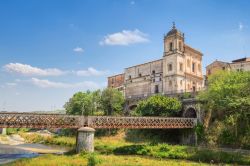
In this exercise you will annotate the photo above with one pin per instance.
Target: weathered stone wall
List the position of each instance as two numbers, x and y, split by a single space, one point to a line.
244 66
116 81
143 79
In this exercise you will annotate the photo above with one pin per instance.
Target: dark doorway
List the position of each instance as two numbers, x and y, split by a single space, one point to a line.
132 107
156 88
190 113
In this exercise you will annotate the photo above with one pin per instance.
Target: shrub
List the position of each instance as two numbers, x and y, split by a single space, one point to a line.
158 105
93 160
199 130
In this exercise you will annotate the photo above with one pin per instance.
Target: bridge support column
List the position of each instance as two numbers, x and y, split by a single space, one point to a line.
189 137
85 139
3 131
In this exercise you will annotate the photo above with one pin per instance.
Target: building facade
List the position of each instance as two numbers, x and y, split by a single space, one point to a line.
178 71
242 64
117 82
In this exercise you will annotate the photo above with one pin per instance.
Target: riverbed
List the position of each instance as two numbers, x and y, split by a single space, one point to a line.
14 147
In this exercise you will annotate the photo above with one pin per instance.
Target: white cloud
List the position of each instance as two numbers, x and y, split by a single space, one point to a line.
28 70
91 72
17 94
241 26
126 37
11 84
43 83
78 49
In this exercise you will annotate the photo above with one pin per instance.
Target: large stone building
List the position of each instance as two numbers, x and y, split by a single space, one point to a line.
178 71
117 82
242 64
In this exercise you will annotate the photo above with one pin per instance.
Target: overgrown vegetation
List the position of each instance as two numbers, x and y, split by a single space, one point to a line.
158 105
228 109
117 145
183 152
15 130
53 140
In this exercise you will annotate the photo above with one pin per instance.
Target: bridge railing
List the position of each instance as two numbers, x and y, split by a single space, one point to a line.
29 120
140 122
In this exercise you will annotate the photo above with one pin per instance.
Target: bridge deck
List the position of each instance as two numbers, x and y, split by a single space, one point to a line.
30 120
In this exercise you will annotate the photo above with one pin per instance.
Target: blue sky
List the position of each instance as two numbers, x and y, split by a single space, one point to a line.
50 49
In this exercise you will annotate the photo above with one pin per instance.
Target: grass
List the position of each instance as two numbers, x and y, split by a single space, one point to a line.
117 146
183 152
51 140
104 160
3 138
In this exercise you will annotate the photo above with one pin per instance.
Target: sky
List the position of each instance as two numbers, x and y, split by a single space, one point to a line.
51 49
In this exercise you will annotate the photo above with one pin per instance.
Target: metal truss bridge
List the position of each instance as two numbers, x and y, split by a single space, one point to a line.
32 120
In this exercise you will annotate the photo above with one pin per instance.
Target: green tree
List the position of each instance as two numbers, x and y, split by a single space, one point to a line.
83 103
158 106
228 100
112 101
228 92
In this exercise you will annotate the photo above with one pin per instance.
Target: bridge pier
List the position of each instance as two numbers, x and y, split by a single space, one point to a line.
3 131
85 139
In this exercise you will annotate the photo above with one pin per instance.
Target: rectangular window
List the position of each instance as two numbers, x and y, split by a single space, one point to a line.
188 63
170 46
170 83
209 72
193 67
180 46
181 67
169 67
199 67
156 88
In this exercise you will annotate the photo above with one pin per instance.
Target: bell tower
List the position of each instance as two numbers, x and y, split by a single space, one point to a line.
173 60
173 41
